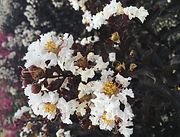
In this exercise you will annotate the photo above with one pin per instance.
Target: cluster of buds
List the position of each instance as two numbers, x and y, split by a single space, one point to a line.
30 76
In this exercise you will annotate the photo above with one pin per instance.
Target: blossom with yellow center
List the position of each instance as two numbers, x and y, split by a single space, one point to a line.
50 108
105 120
110 88
52 47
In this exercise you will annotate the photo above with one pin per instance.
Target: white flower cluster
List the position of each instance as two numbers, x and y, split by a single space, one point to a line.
87 72
58 50
112 9
24 35
47 105
49 47
106 95
8 74
133 12
78 4
110 93
30 12
5 11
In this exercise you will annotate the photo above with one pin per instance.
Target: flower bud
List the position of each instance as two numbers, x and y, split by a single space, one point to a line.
25 73
36 88
36 72
25 82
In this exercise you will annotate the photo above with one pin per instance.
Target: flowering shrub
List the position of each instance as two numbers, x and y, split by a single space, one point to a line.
54 61
83 71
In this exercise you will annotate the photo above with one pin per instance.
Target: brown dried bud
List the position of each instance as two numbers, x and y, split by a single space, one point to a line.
36 88
36 72
25 73
25 82
85 98
82 63
120 67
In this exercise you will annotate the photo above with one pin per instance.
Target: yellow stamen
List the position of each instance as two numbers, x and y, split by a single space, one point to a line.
132 67
115 37
120 67
50 108
110 88
52 47
105 120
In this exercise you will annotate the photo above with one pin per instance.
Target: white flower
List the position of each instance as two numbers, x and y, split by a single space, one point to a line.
34 99
84 89
87 20
47 104
106 75
112 57
86 74
123 81
108 94
62 133
133 12
98 20
47 107
91 57
20 112
89 40
111 9
124 125
100 64
49 48
76 4
42 50
124 93
66 109
104 111
65 54
81 108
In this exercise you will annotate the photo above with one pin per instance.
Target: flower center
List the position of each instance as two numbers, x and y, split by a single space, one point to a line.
105 120
50 108
51 47
110 88
115 37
